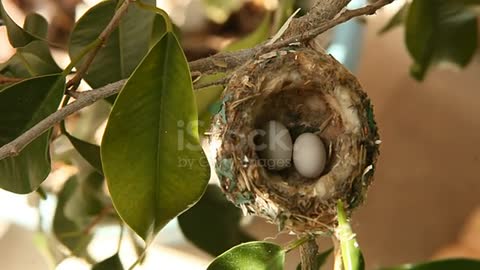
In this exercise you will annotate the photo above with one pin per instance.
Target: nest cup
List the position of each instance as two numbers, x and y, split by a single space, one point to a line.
307 91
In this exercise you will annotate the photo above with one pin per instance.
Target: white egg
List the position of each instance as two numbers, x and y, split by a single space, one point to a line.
309 155
275 146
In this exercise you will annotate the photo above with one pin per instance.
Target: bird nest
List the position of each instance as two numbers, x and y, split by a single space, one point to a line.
306 91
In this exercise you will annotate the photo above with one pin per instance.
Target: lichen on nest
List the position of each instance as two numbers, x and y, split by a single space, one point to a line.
307 91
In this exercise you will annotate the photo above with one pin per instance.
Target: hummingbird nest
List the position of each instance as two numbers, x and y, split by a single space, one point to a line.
306 91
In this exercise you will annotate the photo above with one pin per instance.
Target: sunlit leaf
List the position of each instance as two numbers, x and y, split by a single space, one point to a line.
351 254
440 31
112 263
449 264
150 150
251 256
213 224
66 231
125 48
23 105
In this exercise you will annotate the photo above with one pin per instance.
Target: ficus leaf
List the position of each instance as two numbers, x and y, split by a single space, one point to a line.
89 151
124 49
32 60
67 232
352 257
213 224
17 36
440 31
449 264
251 256
23 105
36 24
151 150
112 263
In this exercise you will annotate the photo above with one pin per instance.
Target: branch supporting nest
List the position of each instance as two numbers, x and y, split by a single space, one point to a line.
321 17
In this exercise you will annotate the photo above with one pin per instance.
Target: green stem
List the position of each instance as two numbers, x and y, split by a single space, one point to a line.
296 243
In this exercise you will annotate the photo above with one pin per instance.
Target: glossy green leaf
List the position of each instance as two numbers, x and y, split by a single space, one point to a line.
36 24
151 154
87 201
89 151
251 256
449 264
206 99
320 259
17 36
125 48
397 20
440 31
23 105
32 60
112 263
65 230
352 257
259 35
213 224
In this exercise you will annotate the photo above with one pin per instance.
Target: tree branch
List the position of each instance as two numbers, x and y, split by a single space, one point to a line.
220 62
308 255
101 40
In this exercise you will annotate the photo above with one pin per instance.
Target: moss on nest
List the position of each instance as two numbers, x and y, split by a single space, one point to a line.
307 91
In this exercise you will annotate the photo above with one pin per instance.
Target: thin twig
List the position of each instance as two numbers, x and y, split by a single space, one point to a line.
101 40
217 63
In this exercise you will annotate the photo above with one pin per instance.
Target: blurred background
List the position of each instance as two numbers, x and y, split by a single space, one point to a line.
425 201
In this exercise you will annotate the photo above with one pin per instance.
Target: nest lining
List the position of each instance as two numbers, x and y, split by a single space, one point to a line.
307 91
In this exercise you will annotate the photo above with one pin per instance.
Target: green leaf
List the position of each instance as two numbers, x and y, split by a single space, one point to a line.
32 60
259 35
65 230
112 263
321 259
23 105
206 99
397 20
151 151
87 201
89 151
125 48
440 31
251 256
36 24
449 264
351 255
17 36
213 224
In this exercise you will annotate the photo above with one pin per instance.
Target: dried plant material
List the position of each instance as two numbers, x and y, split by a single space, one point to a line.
307 91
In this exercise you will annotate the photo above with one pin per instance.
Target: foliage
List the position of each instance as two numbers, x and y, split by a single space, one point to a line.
150 155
